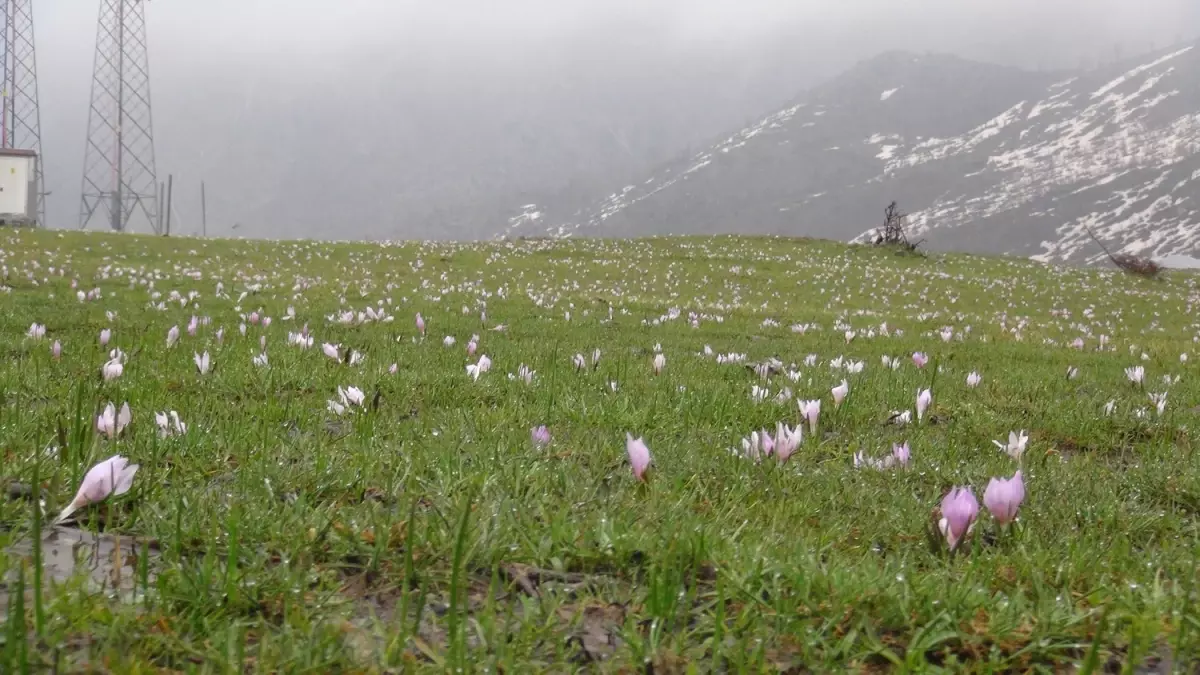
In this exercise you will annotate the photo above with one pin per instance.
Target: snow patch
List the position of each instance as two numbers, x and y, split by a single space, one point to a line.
1138 71
1179 262
888 94
936 149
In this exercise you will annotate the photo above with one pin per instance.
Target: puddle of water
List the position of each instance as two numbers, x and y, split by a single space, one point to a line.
112 563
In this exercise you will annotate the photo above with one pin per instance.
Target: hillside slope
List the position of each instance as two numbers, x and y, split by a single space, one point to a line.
986 158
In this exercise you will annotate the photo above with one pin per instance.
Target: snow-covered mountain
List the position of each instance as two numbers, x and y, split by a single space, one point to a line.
984 158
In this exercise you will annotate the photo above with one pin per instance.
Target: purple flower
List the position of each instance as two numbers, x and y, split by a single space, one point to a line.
811 411
112 422
786 441
541 436
924 400
839 393
639 455
113 476
959 509
1003 497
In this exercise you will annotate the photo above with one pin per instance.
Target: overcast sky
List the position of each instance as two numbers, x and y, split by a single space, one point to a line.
265 27
214 59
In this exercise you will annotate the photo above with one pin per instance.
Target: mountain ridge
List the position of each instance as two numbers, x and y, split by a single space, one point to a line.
987 158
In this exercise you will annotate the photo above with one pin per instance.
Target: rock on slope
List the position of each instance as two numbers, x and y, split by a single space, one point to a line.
985 158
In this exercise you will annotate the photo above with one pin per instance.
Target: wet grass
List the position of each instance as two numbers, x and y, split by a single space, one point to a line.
425 531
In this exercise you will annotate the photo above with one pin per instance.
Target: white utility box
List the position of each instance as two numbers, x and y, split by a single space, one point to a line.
18 187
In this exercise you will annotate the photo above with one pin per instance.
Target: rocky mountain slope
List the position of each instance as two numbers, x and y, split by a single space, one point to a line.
984 158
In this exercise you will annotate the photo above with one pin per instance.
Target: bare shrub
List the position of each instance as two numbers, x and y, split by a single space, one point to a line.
1129 263
892 233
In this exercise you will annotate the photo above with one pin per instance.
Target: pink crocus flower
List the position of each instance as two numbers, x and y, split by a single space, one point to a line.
111 422
526 373
1136 374
253 318
112 477
474 370
811 410
331 351
1016 444
395 368
105 336
172 336
900 456
203 362
56 350
1003 497
839 394
420 323
541 436
639 455
352 395
266 322
660 362
193 325
860 460
757 446
112 370
959 510
786 441
924 400
36 331
768 443
472 346
919 359
974 379
169 424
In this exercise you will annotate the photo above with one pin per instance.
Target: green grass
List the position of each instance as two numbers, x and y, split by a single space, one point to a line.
426 532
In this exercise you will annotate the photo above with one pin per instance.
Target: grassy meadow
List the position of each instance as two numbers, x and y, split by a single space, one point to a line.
415 524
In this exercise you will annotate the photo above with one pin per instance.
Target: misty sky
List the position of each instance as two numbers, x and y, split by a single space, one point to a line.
293 81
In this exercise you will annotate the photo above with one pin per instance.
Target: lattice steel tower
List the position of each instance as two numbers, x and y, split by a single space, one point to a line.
20 125
120 184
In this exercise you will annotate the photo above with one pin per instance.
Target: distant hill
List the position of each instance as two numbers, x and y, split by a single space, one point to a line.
985 158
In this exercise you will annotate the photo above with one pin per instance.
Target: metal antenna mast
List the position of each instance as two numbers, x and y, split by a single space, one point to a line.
120 183
20 123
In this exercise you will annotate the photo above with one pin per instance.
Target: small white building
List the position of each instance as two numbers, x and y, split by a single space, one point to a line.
18 187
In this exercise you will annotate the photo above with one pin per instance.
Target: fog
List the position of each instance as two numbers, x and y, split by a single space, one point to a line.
396 118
